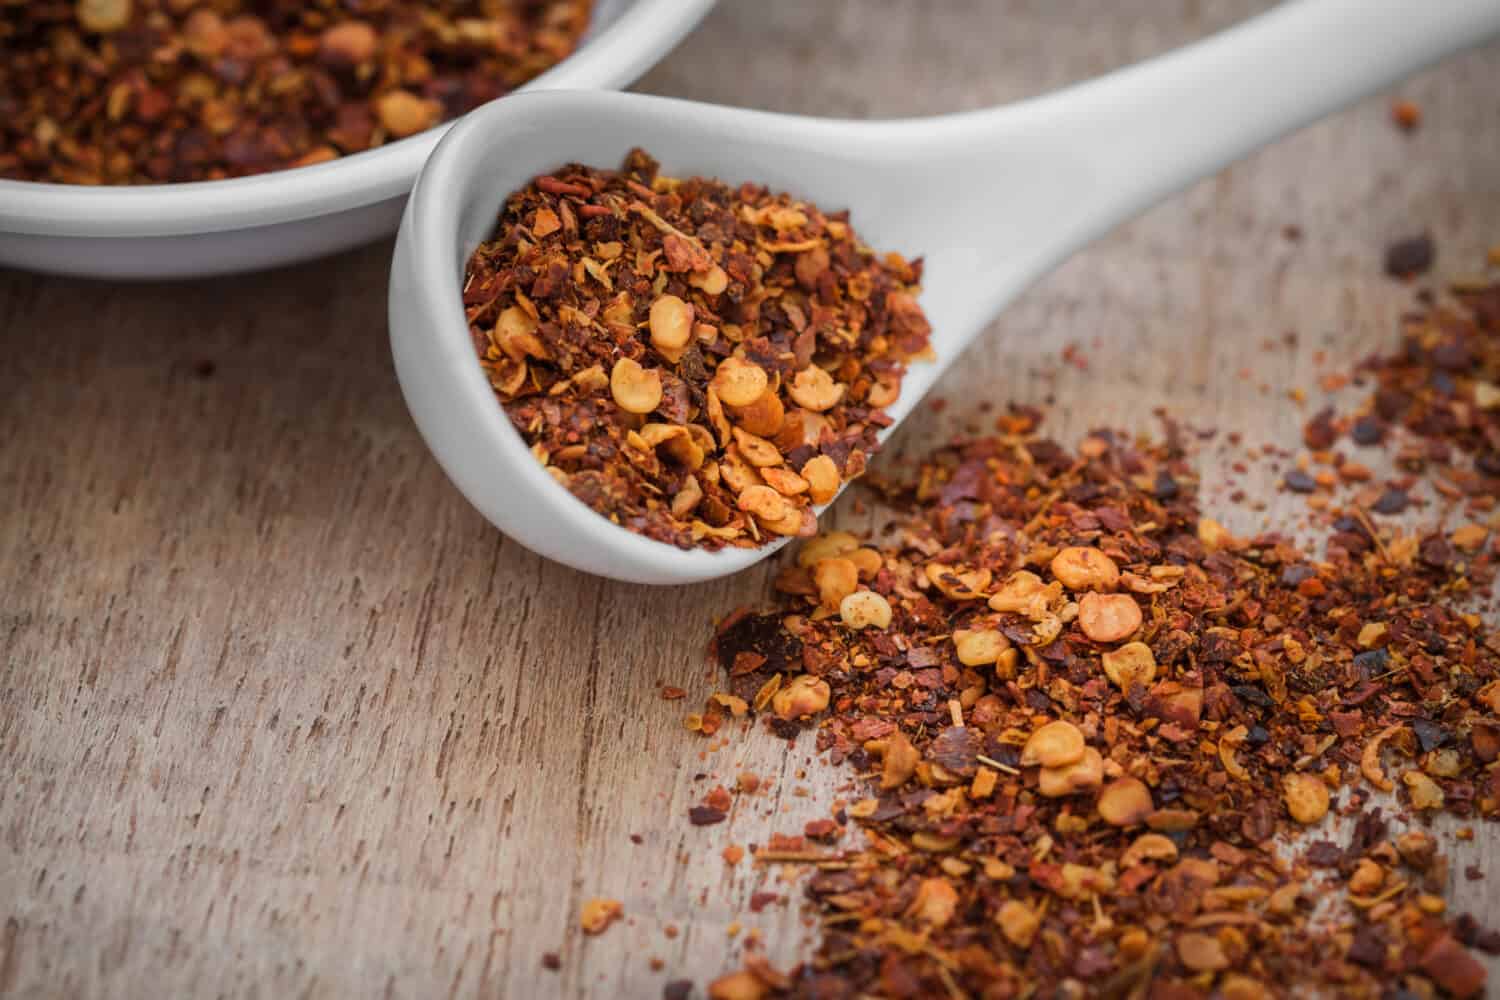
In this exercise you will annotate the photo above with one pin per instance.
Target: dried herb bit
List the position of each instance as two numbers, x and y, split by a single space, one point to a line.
698 363
1084 720
156 91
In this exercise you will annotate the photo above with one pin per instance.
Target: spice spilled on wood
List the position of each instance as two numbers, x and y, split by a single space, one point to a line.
699 363
1138 799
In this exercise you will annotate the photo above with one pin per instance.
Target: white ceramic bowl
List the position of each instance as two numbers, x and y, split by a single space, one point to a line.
217 227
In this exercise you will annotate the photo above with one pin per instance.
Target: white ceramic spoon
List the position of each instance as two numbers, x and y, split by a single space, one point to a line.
993 199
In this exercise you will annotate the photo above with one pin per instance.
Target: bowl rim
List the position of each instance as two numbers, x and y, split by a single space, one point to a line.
639 38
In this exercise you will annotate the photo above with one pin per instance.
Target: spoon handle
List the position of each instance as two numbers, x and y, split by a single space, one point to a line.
1174 120
1096 154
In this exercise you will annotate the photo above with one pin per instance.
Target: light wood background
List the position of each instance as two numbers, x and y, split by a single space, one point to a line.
281 716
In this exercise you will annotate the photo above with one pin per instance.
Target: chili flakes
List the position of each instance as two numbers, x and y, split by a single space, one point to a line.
157 91
699 363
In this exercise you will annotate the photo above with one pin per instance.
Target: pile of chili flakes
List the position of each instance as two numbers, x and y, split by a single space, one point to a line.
157 91
698 363
1109 749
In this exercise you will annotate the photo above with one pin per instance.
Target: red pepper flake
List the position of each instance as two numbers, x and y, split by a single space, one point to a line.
746 663
1452 967
1407 115
706 815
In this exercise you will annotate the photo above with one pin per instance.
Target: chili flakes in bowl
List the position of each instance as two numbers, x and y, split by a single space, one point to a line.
163 91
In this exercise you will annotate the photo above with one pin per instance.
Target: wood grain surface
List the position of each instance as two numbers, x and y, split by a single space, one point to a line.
281 716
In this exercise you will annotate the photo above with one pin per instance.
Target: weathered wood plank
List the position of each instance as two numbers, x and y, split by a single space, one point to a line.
281 716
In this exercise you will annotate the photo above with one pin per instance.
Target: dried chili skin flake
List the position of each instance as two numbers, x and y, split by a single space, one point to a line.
1410 257
698 363
158 91
718 798
1451 966
706 815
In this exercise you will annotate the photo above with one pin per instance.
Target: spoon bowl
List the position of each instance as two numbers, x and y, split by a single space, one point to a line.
992 199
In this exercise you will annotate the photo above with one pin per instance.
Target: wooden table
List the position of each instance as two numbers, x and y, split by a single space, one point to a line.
281 716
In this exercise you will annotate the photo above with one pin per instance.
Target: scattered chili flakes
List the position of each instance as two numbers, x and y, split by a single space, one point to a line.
1435 405
698 363
1045 802
1442 386
157 91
